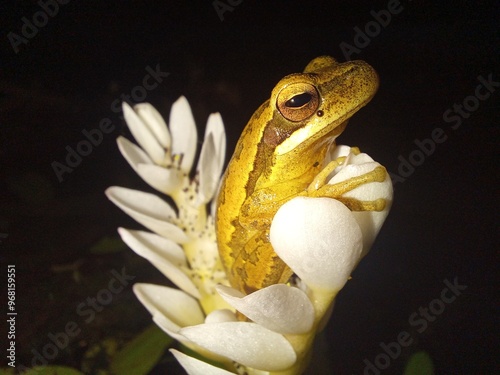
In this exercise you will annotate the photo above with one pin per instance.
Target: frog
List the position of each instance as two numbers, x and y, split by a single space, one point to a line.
282 154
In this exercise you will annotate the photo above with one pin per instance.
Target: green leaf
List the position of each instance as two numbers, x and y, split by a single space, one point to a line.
108 245
419 363
7 371
52 370
141 354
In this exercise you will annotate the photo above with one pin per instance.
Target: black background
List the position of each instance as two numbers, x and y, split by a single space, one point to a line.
443 224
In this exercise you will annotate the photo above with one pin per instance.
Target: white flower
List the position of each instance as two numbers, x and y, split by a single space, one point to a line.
356 165
320 239
182 245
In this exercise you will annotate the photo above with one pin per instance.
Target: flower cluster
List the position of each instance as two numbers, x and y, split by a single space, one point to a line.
320 239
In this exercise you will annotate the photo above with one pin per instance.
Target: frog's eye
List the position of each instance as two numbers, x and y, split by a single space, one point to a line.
298 101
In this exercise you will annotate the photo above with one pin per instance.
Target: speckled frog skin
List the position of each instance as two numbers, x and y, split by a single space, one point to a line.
279 156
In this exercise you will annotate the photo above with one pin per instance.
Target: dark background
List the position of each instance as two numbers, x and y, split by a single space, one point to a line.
443 224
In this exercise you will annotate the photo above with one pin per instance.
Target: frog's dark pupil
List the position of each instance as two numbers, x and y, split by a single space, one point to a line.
298 100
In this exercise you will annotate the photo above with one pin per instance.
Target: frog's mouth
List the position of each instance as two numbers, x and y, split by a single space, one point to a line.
306 137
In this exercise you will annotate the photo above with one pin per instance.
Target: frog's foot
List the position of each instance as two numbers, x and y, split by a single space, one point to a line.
357 205
321 178
337 190
355 150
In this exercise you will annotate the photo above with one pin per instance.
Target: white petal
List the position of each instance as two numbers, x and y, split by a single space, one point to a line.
165 180
351 158
280 308
370 222
183 129
171 308
319 239
194 366
368 191
149 245
132 153
155 122
174 304
213 204
212 158
164 254
339 150
170 329
247 343
177 276
361 158
208 170
215 126
143 135
221 315
149 210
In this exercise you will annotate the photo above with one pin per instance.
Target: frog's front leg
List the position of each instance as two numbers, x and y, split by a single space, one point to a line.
260 207
320 188
256 265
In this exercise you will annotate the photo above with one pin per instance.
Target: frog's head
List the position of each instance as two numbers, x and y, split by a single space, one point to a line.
313 107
